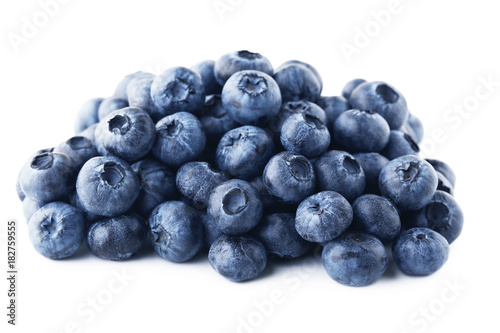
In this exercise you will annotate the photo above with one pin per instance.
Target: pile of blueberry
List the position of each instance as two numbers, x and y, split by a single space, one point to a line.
247 162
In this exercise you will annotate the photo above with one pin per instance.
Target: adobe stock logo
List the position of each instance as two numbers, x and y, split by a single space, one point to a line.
89 310
363 36
455 116
421 319
31 25
222 7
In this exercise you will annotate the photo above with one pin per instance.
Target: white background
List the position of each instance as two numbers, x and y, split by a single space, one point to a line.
438 53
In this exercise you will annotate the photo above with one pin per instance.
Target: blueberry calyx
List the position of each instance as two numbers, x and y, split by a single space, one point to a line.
411 142
420 236
387 93
79 142
119 124
300 168
172 129
248 55
42 161
316 209
296 107
253 84
161 236
409 173
351 165
234 141
438 215
234 201
312 121
178 91
368 111
48 226
112 174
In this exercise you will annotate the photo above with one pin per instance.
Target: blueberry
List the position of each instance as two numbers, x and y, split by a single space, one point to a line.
57 230
80 149
128 133
88 114
442 214
235 206
400 144
238 61
444 184
244 151
268 201
180 138
445 169
117 238
372 164
196 180
414 128
416 125
109 105
278 235
305 134
89 132
382 98
157 185
139 96
107 186
215 119
178 89
409 181
297 82
290 177
176 231
377 216
251 97
30 207
406 129
350 86
210 230
333 106
237 258
296 107
420 251
48 177
271 203
19 190
323 216
355 259
340 172
206 71
361 131
89 217
310 67
121 88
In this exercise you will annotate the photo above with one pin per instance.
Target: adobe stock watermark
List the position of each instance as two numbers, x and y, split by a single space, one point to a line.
222 7
365 34
292 281
454 116
32 24
154 68
426 314
88 310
